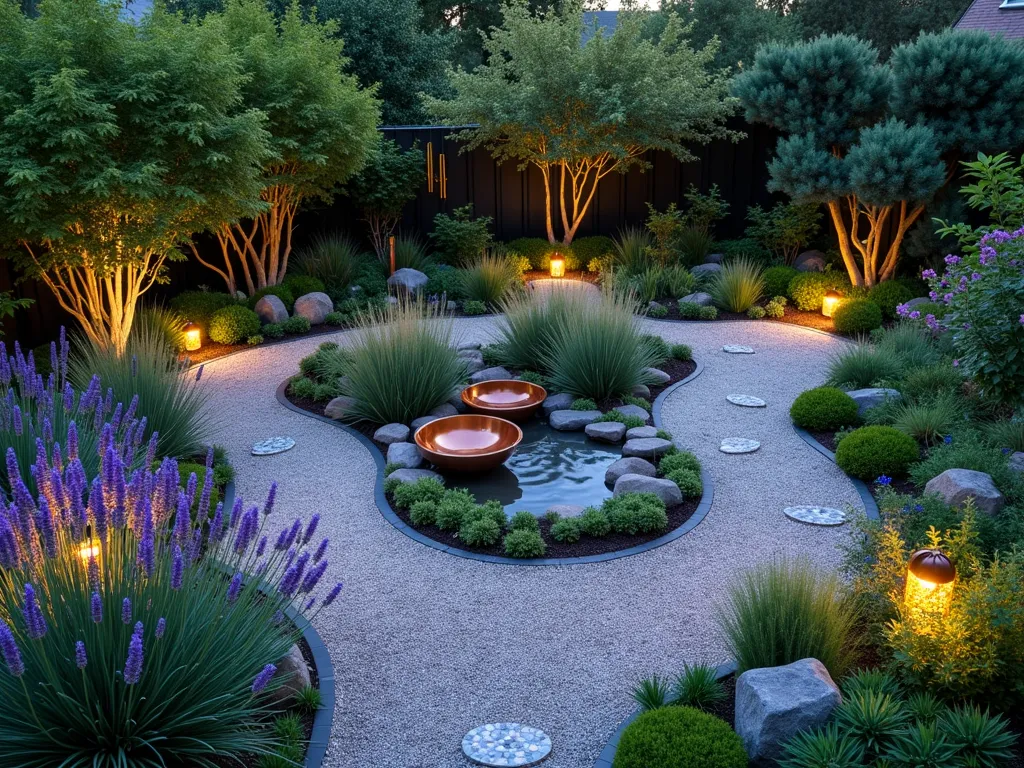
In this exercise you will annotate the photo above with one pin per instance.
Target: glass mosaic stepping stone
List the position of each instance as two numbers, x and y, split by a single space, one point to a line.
738 349
506 744
816 515
272 445
738 445
747 401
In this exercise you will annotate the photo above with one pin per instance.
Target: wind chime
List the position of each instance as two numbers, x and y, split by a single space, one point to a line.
442 176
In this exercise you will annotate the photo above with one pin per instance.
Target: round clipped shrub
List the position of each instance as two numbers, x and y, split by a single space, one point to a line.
708 313
808 289
756 312
636 513
423 512
473 307
524 543
195 306
480 533
857 316
679 737
870 452
823 409
776 280
300 285
889 295
594 522
689 482
281 291
681 352
567 530
297 324
230 325
679 460
657 311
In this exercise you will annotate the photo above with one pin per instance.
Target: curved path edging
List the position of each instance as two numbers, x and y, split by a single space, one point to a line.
870 506
389 514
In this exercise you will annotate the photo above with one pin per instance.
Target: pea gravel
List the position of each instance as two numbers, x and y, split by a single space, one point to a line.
427 646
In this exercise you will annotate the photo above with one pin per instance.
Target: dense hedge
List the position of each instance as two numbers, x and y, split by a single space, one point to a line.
679 737
857 316
870 452
234 324
823 409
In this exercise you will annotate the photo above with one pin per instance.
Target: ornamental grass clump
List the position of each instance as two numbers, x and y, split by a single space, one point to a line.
490 279
131 638
527 327
739 285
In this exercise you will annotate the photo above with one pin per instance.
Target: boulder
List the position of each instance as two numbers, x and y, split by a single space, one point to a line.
774 704
955 486
407 281
606 431
391 433
405 455
294 672
490 374
314 307
443 410
560 402
640 390
706 270
701 298
810 261
636 432
271 309
631 465
567 510
1016 462
871 397
469 346
240 295
657 375
474 361
455 401
714 258
919 300
635 410
646 447
417 423
338 407
412 475
664 489
572 421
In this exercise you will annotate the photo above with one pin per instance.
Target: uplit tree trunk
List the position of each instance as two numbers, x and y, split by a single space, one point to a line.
583 176
381 226
862 256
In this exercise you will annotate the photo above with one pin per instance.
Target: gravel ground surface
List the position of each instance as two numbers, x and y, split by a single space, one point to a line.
427 646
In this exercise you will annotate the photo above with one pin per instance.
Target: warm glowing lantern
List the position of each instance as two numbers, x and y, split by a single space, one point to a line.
930 577
88 551
557 265
192 337
829 303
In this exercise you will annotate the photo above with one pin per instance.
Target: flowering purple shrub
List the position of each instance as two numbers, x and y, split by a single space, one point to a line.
983 293
128 637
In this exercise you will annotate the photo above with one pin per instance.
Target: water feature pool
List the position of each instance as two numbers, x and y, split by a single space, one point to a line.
548 467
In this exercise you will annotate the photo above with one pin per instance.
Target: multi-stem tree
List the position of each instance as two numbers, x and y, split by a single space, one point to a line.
579 110
118 142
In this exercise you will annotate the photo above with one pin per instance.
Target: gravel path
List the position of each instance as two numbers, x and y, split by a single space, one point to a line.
427 646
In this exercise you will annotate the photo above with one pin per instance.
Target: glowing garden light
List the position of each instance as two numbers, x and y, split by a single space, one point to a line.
830 303
557 265
88 551
930 579
193 340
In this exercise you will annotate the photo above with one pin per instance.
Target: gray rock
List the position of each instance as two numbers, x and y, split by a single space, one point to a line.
443 410
572 421
714 258
810 261
559 402
701 298
293 671
405 455
636 432
706 270
490 374
417 423
872 397
240 295
407 281
646 447
567 510
640 390
606 431
470 354
314 307
955 486
271 309
1016 462
664 489
469 346
451 306
391 433
773 704
455 401
338 407
918 301
635 410
631 465
474 364
412 475
657 376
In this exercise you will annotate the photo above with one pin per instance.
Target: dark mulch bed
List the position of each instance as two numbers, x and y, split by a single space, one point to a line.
793 316
726 709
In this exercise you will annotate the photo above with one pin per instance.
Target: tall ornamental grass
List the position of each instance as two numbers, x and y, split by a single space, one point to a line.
402 365
490 279
632 251
173 399
131 638
739 285
334 259
786 610
527 326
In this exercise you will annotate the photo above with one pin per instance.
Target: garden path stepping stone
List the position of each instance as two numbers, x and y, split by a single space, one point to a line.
506 744
816 515
272 445
738 445
738 349
747 401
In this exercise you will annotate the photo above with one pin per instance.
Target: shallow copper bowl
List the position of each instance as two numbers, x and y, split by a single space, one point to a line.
470 442
507 398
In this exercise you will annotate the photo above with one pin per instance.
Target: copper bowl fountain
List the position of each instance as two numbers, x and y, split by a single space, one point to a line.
470 442
506 398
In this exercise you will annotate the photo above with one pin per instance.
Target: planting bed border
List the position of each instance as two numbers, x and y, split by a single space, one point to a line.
870 506
389 514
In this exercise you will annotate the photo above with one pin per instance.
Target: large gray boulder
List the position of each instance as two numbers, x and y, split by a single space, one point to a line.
664 489
956 486
419 422
774 704
700 297
631 465
271 309
455 401
657 376
871 397
572 421
339 407
314 307
293 671
642 432
405 455
490 374
714 258
560 402
635 410
444 410
407 281
918 301
412 475
640 390
646 447
391 433
706 270
606 431
469 346
810 261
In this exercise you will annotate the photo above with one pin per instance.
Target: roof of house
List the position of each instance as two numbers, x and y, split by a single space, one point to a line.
997 17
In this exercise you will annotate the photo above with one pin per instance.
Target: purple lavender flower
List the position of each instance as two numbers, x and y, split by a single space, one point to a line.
10 555
263 678
236 513
9 650
282 541
129 415
951 259
151 450
313 577
44 523
320 551
80 658
161 627
271 495
217 524
126 611
35 622
94 572
133 666
293 534
311 529
182 520
308 604
333 594
97 608
956 363
177 568
209 457
915 315
247 530
204 498
261 547
234 587
199 373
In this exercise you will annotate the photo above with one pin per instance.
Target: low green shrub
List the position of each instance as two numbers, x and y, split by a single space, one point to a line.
594 523
583 404
524 521
473 307
698 686
689 310
479 531
823 409
524 544
639 402
460 238
657 311
808 289
198 306
273 330
297 324
677 281
689 482
679 737
871 452
334 259
708 313
616 415
490 279
776 308
857 316
567 530
777 279
453 506
300 285
335 318
677 461
424 489
930 381
230 325
538 251
636 513
889 295
967 451
911 344
252 341
591 248
423 512
533 378
281 291
756 313
444 280
681 352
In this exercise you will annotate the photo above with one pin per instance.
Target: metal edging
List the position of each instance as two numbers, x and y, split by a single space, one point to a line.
870 506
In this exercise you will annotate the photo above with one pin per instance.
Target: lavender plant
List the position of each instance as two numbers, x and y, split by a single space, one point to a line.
131 636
